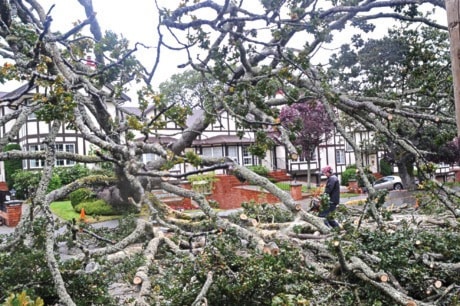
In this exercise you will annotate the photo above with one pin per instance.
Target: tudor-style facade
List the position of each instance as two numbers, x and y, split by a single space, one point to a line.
34 132
336 152
220 139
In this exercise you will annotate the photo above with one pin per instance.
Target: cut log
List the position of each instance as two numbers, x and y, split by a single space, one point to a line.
437 284
137 280
243 217
271 248
252 222
411 303
140 276
384 278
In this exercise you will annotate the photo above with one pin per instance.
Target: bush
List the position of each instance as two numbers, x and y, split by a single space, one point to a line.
348 174
209 178
26 182
81 195
55 183
11 165
98 208
71 174
260 170
385 167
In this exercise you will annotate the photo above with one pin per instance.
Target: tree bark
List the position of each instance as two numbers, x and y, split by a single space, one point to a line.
453 21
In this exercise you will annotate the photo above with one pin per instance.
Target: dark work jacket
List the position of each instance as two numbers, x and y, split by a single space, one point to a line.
333 189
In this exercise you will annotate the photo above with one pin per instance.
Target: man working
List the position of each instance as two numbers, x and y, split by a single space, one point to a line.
333 190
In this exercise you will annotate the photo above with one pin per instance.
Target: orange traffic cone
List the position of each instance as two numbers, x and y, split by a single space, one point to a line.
82 214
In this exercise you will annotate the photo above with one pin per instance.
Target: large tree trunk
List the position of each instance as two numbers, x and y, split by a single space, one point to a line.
453 20
405 164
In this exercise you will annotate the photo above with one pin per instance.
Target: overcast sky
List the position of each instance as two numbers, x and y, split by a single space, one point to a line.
137 20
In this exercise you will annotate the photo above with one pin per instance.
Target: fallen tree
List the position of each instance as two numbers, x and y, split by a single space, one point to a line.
175 258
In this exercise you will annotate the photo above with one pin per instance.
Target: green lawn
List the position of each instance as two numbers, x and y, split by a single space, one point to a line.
349 194
287 187
64 210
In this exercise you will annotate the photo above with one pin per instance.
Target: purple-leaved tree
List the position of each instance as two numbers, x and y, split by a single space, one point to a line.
309 125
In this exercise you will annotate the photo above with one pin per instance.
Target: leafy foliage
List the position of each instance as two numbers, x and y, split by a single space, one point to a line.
240 278
71 174
385 167
409 60
309 124
26 182
260 170
25 265
22 299
398 252
11 165
348 174
81 195
265 212
96 208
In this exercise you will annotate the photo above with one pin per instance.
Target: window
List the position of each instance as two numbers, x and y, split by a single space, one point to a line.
36 163
62 147
65 147
303 157
348 147
247 156
232 152
212 151
340 156
148 157
313 156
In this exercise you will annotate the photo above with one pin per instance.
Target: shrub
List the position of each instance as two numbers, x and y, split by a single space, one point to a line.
71 174
55 183
81 195
11 165
22 299
26 182
385 167
260 170
98 207
209 178
348 174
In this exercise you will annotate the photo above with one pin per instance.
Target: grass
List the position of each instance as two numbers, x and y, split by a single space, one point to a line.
65 211
287 187
349 195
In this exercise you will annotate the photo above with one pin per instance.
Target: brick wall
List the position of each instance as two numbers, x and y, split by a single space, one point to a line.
229 192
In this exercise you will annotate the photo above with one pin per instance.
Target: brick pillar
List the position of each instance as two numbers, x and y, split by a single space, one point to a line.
296 191
457 174
353 186
14 213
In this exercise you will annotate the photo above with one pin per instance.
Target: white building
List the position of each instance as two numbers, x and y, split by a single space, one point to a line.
220 139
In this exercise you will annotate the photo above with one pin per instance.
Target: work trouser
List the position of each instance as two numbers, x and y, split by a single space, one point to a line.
326 212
